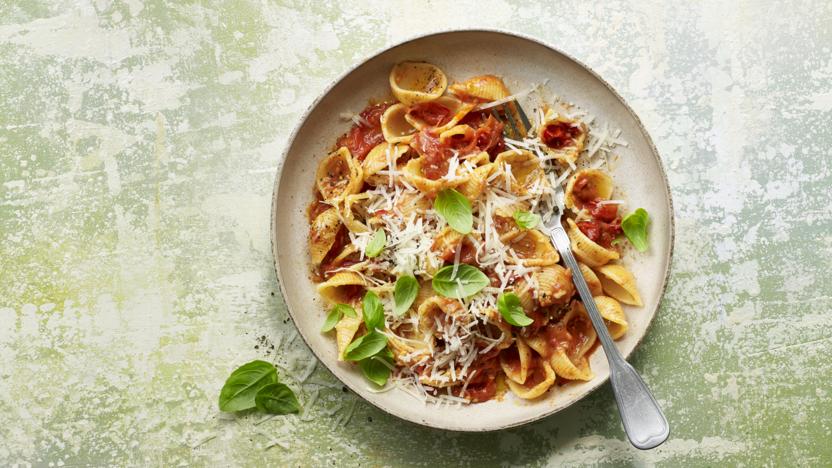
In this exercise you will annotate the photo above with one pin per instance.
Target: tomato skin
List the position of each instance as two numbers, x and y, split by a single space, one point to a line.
606 213
362 138
558 135
431 113
434 155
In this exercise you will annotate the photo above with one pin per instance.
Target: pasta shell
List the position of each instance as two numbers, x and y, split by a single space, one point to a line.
338 175
516 360
348 212
554 285
563 137
461 138
613 315
540 379
577 369
344 287
524 291
484 87
578 324
413 174
475 184
345 331
455 108
446 242
380 158
413 203
521 169
394 125
414 82
533 248
586 185
619 283
586 250
441 309
504 222
322 234
408 345
496 324
591 280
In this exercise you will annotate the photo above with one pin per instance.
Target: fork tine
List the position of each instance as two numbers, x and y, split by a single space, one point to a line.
510 118
526 123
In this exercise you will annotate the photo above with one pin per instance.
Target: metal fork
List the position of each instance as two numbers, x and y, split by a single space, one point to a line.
644 422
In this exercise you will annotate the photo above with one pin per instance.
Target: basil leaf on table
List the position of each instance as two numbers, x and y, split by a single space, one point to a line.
526 219
376 368
365 346
634 226
467 281
376 244
512 310
242 385
404 293
335 315
277 398
373 311
455 209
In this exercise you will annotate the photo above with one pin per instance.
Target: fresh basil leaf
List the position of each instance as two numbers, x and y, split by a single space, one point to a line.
365 346
455 209
468 281
373 311
404 293
526 219
376 244
242 385
277 398
376 368
335 315
634 226
512 310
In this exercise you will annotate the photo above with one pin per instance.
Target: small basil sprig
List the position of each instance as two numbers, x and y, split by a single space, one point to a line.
512 310
373 311
634 226
404 293
376 244
365 346
377 368
335 315
455 209
526 219
255 384
467 281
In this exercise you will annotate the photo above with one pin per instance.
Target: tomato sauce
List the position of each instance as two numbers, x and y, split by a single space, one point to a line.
511 356
362 138
584 191
467 254
431 113
328 264
316 208
434 154
606 213
600 232
557 135
536 375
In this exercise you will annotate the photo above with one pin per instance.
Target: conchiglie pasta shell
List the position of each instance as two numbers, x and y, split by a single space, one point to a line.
524 167
613 315
497 324
338 175
591 280
554 285
446 241
409 346
425 293
458 110
414 82
568 369
524 358
395 127
524 292
348 212
437 308
619 283
335 288
410 203
577 321
598 179
538 343
475 184
457 131
376 159
568 154
534 249
504 222
485 87
586 250
322 234
413 174
345 331
527 393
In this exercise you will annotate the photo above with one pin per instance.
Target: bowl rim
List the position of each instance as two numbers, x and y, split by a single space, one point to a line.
290 141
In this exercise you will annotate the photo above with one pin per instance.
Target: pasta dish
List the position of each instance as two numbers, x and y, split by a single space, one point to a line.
426 239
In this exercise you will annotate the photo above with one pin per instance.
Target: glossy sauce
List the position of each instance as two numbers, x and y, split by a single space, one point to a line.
362 138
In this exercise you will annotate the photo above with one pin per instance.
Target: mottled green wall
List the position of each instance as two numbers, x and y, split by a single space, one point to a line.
138 145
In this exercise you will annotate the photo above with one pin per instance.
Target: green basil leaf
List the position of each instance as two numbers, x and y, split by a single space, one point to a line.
335 315
634 226
365 346
242 385
455 209
277 398
526 219
376 368
376 244
373 311
468 281
404 293
512 310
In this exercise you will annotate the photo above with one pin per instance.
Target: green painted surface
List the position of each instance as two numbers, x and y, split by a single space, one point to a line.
139 143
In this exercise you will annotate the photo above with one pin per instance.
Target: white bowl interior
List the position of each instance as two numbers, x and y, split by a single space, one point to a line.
638 174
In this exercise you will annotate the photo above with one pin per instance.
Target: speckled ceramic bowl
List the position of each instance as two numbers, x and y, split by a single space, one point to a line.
522 61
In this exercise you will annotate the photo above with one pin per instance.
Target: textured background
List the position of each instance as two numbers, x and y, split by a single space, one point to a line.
138 145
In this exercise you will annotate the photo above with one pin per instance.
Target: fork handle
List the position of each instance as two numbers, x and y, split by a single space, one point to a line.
643 420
